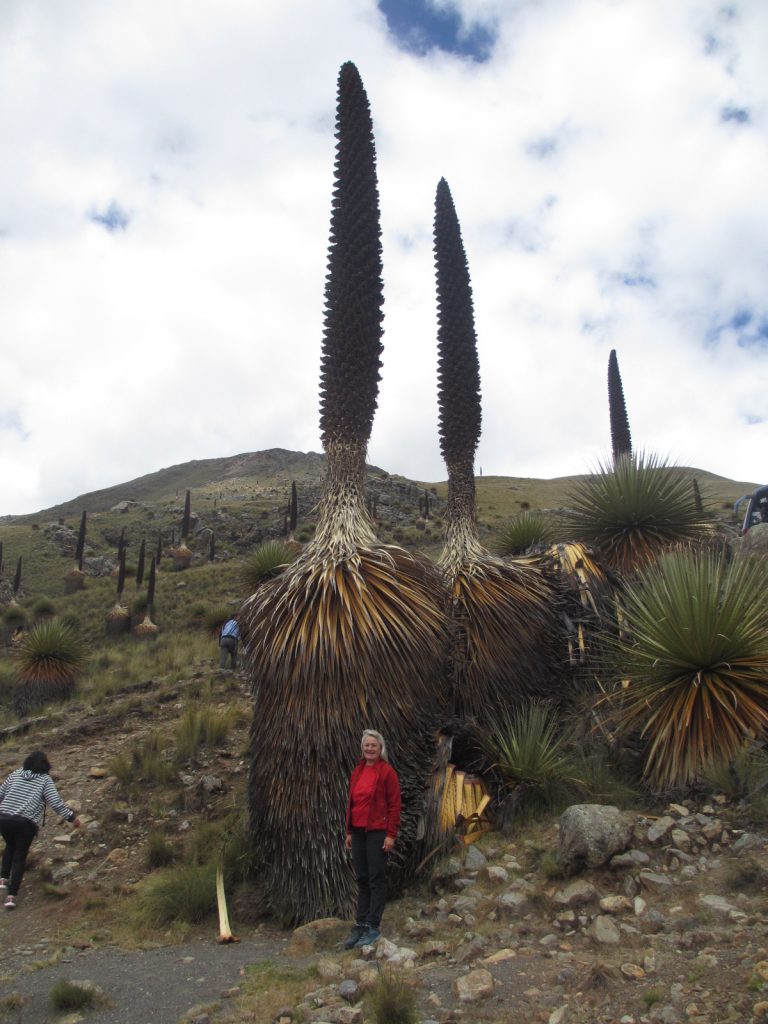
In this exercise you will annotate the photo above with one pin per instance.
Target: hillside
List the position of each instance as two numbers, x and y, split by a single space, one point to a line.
242 501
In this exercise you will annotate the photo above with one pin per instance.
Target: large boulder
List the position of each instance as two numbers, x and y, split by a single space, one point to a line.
590 834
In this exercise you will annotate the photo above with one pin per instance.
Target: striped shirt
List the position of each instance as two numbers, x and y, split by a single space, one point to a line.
24 794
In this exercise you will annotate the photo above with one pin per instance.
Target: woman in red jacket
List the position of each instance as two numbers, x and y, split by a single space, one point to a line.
373 818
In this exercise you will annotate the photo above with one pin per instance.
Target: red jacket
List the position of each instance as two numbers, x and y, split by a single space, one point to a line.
384 812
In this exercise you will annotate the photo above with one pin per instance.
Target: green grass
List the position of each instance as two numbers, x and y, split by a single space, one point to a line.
185 893
201 727
144 762
69 996
391 1001
160 852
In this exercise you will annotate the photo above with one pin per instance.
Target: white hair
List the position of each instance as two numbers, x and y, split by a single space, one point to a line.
379 739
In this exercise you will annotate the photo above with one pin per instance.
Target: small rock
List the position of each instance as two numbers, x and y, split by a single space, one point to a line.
718 905
385 949
474 859
478 984
681 839
328 970
615 905
512 904
98 772
660 828
603 930
560 1016
760 1010
654 881
500 956
495 874
632 971
576 894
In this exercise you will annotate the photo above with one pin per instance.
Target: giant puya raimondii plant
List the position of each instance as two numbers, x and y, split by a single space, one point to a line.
621 439
501 612
351 634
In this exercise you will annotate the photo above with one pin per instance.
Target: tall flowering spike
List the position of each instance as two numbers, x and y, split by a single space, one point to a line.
349 377
501 613
458 366
621 440
140 566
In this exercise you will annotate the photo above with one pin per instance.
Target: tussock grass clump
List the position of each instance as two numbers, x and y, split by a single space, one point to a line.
144 763
43 608
186 892
201 727
68 996
160 852
748 876
391 1001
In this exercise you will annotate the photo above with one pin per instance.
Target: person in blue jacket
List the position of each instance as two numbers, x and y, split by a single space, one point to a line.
230 635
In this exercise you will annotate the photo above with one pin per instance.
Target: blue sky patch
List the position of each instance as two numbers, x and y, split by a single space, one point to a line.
113 218
746 327
10 421
734 114
419 26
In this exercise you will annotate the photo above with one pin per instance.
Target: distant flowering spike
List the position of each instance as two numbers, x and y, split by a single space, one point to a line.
80 549
621 440
187 518
17 578
140 566
151 587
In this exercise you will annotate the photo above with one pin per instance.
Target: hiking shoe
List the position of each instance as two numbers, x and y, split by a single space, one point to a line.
10 903
369 936
3 883
354 935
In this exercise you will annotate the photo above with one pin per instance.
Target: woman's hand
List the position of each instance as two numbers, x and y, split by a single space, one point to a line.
389 844
348 842
76 823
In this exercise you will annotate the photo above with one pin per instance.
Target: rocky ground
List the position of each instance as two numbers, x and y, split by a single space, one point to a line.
672 928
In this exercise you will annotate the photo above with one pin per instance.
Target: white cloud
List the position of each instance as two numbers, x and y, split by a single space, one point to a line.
591 147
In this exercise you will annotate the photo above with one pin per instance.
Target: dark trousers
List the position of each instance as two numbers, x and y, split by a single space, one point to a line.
228 647
370 864
18 834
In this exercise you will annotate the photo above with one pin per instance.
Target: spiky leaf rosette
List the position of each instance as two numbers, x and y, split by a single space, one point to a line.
351 634
51 653
621 439
633 511
695 651
501 612
352 347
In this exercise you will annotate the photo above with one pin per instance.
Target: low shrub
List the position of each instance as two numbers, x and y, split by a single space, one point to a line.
160 852
68 996
391 1001
185 893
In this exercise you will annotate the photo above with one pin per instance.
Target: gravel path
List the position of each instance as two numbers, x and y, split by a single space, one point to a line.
154 986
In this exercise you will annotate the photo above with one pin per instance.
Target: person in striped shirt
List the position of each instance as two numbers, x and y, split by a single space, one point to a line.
23 798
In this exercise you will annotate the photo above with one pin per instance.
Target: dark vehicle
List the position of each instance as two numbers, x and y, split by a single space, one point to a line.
757 508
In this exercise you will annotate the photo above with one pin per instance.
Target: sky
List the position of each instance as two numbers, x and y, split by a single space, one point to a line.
165 195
